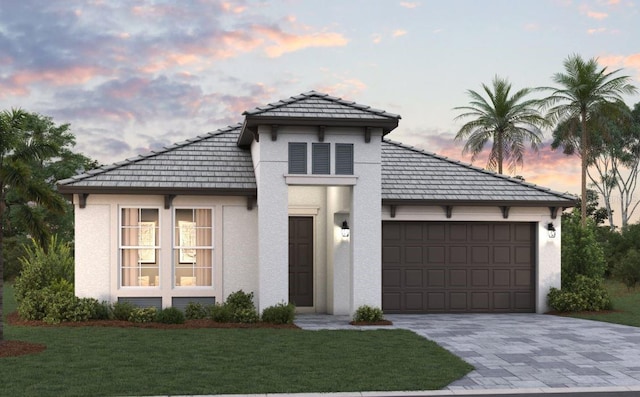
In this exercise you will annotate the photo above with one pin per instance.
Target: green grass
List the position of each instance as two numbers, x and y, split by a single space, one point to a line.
626 306
135 361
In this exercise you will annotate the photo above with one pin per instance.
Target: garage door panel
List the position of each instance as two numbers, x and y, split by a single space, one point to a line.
413 278
436 278
458 267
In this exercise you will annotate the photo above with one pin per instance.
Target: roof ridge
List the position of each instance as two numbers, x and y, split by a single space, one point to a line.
149 154
485 171
312 94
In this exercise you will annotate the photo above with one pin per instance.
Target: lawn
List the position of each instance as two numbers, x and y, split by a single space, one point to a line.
135 361
626 306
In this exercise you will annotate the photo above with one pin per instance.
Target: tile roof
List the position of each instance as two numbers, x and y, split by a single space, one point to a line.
410 174
212 162
314 104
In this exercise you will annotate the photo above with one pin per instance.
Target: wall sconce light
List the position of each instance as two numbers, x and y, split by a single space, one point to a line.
551 230
345 229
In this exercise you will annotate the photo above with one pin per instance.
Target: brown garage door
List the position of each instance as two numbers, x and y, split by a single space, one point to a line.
446 267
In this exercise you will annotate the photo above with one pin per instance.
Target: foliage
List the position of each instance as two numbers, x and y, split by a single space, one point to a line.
170 315
625 302
281 313
241 306
122 310
628 269
584 91
368 314
508 120
13 249
584 293
581 253
195 311
220 313
143 314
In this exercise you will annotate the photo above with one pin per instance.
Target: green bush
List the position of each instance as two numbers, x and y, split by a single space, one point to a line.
241 306
368 314
246 316
220 313
195 311
282 313
584 294
581 253
170 315
122 310
628 269
143 315
102 311
41 268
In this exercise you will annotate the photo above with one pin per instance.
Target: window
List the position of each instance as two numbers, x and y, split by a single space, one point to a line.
139 247
193 247
297 158
320 162
344 159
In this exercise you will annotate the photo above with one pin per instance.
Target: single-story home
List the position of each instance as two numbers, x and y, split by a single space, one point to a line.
308 201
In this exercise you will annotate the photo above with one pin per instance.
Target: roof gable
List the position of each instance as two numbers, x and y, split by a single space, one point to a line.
314 108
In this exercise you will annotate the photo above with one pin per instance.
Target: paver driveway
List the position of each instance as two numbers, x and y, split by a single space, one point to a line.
515 351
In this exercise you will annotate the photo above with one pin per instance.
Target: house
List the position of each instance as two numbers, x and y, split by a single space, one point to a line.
308 201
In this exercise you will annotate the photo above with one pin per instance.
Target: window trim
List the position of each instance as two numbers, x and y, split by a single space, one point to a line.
156 248
175 256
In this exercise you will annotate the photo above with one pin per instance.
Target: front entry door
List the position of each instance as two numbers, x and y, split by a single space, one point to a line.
301 260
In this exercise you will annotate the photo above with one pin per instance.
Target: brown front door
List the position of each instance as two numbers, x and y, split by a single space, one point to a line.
301 260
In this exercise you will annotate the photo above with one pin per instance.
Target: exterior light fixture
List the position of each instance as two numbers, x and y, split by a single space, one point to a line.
345 229
551 230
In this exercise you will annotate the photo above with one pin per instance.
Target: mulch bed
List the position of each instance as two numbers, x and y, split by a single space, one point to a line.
14 348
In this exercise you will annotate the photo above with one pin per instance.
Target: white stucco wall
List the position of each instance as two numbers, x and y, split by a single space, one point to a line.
240 250
547 265
97 248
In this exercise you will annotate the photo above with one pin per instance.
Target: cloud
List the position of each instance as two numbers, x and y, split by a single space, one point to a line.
597 15
399 32
349 88
622 61
531 27
376 38
409 4
283 42
596 30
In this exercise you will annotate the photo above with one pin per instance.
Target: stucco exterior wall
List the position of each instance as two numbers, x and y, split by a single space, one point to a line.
547 267
97 245
240 250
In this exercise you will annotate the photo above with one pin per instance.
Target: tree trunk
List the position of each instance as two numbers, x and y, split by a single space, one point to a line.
1 274
584 160
499 152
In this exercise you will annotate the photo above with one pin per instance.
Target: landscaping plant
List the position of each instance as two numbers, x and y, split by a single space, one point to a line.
281 313
368 314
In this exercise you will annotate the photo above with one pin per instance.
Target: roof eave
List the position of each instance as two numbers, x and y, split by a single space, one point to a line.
249 127
69 190
485 203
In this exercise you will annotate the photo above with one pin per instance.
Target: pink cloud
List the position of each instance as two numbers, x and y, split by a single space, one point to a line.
407 4
289 42
71 75
399 32
597 15
622 61
347 88
596 30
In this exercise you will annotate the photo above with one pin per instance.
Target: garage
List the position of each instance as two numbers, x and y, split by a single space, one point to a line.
458 267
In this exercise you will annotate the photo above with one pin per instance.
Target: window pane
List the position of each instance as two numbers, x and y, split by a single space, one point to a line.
320 158
344 159
297 158
139 247
193 247
138 274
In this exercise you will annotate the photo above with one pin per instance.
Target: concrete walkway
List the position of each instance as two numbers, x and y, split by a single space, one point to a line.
523 351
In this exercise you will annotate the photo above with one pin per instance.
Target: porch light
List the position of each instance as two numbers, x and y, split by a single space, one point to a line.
345 229
551 230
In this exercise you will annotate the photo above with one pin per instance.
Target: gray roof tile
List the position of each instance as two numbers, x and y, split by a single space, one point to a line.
410 174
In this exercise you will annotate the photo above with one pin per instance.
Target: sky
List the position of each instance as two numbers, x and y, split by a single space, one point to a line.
134 76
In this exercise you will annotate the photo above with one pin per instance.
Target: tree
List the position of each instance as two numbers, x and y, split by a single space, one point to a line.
507 120
22 192
584 91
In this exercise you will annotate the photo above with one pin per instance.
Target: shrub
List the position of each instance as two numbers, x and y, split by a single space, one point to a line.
628 269
368 314
122 310
584 294
102 311
143 314
219 313
170 315
282 313
246 316
41 268
581 253
195 311
241 306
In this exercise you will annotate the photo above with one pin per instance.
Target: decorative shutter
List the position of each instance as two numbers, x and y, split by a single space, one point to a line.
320 162
344 159
297 158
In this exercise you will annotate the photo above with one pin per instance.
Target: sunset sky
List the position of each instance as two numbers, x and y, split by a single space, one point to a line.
132 76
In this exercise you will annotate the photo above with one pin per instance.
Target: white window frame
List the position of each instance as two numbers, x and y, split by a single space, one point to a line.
156 248
179 252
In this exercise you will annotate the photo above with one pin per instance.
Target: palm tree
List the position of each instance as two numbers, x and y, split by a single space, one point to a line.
19 190
507 120
584 91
